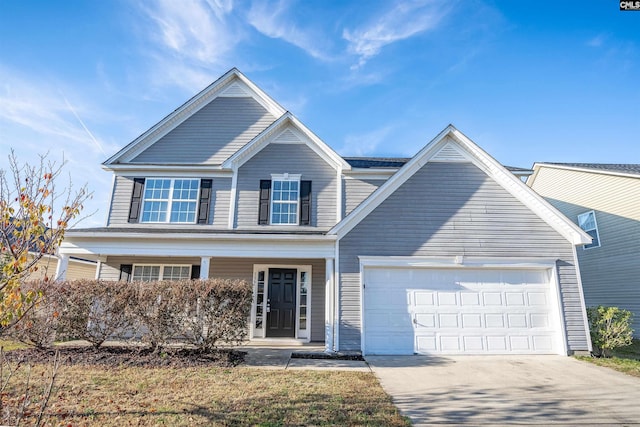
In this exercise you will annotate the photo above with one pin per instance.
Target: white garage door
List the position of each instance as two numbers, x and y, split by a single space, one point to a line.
459 311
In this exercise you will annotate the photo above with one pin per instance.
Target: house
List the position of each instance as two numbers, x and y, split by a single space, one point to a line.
604 200
447 252
77 268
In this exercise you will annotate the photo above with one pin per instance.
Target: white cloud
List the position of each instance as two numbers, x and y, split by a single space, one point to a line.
198 30
272 19
596 41
402 21
364 144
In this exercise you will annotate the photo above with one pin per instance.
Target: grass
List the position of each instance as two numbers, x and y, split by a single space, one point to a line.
8 345
211 396
625 359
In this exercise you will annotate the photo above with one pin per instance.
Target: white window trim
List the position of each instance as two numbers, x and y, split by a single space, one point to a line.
284 177
162 266
255 334
170 201
595 222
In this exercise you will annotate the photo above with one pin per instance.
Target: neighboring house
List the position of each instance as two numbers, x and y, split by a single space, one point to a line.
77 268
447 252
603 199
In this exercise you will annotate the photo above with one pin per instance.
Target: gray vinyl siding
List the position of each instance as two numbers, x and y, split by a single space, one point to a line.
220 200
293 159
239 268
355 190
121 202
212 134
450 209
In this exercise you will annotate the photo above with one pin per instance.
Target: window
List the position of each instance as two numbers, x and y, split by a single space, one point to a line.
587 221
147 273
285 192
170 200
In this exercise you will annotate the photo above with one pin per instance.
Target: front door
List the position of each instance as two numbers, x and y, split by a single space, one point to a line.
281 315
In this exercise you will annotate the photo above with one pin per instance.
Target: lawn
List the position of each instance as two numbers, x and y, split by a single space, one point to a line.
626 359
211 396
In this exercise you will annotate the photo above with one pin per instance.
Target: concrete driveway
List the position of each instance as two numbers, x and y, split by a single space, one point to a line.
503 390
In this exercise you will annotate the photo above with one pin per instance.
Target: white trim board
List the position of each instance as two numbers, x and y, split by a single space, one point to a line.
453 138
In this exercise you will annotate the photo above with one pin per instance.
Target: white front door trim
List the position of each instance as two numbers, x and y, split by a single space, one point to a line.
255 333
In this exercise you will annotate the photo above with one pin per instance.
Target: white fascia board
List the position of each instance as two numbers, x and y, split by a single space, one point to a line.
146 168
176 173
189 108
168 246
286 121
116 235
457 262
537 166
485 162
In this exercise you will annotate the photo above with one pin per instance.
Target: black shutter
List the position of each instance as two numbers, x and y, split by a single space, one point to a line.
205 201
125 272
305 202
136 199
195 272
265 200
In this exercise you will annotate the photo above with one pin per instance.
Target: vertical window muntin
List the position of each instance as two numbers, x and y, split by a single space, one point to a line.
285 199
170 200
587 221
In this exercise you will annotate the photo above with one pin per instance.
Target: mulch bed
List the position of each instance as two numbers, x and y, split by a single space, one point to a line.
110 357
326 356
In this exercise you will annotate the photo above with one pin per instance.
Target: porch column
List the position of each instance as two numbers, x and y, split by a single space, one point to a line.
63 266
205 261
329 305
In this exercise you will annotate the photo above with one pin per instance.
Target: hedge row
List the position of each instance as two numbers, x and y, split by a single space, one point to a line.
203 313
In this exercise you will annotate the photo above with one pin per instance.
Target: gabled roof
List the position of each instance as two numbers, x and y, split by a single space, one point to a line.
232 82
301 134
451 145
622 169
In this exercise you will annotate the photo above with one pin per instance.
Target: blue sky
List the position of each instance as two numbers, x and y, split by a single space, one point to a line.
527 81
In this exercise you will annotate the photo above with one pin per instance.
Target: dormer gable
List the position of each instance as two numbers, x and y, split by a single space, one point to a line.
286 130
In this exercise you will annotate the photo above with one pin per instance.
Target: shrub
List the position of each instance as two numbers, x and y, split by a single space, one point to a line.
218 312
610 328
161 309
96 310
39 325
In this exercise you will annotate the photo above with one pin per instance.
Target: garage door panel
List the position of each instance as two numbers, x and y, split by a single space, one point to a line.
459 311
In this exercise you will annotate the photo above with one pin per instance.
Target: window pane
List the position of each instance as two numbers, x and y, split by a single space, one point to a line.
176 272
183 211
146 273
154 211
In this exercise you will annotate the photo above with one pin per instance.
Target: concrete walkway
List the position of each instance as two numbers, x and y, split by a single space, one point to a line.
513 390
280 358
